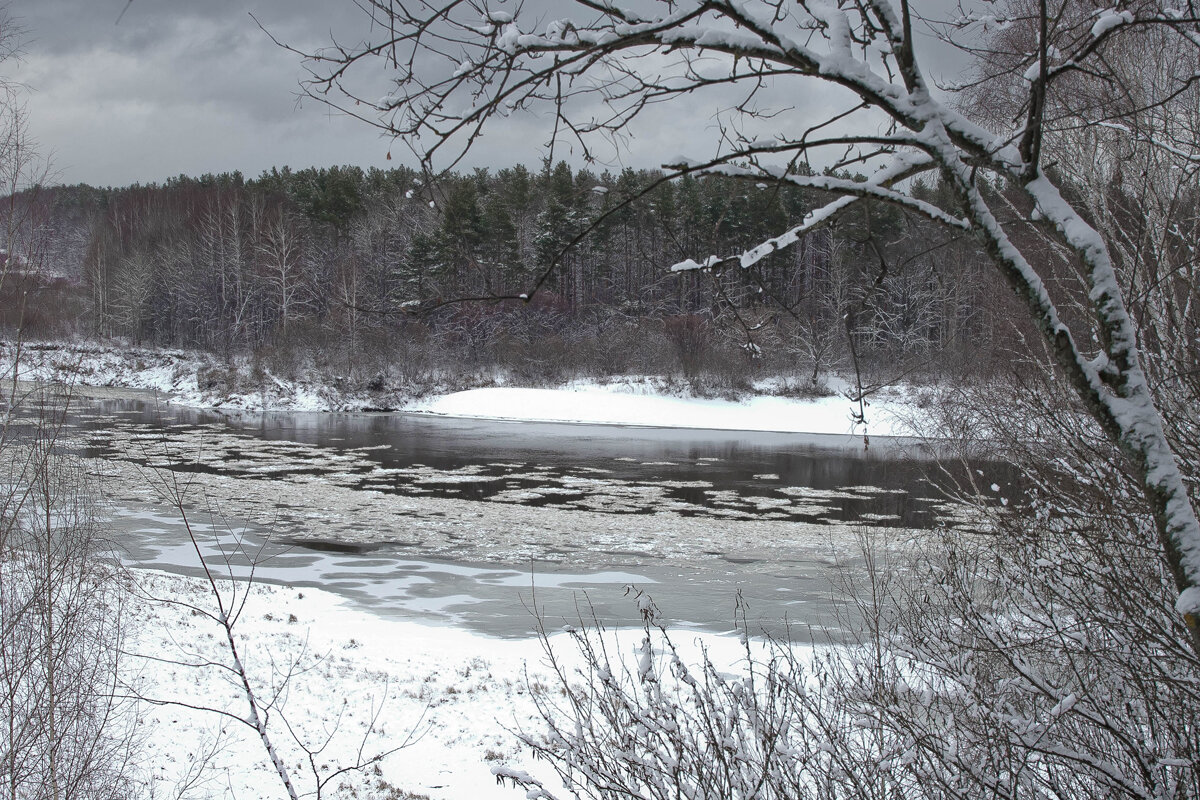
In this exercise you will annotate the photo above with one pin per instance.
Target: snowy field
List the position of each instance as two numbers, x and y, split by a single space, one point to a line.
359 684
180 377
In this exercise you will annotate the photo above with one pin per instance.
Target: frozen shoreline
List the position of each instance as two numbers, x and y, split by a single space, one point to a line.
195 380
365 678
371 681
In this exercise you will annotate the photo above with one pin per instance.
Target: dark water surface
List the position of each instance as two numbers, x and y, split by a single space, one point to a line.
894 482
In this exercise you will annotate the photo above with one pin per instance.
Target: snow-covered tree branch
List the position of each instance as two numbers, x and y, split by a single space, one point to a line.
601 70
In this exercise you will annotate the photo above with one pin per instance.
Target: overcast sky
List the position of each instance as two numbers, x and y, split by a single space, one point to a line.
179 86
193 86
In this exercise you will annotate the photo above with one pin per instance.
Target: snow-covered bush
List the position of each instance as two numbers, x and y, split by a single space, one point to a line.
1041 660
653 725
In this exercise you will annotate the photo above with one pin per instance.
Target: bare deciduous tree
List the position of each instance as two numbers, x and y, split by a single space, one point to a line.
1051 652
65 731
599 68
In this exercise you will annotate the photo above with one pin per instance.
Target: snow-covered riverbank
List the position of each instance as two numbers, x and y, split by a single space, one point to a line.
632 404
460 694
357 685
197 380
362 682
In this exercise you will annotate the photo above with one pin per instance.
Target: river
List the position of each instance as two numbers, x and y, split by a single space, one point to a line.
482 524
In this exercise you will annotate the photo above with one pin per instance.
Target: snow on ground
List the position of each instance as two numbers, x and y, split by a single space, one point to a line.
171 371
339 673
356 681
185 377
609 405
196 379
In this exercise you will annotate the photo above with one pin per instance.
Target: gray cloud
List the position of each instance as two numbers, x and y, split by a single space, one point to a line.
193 86
180 87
